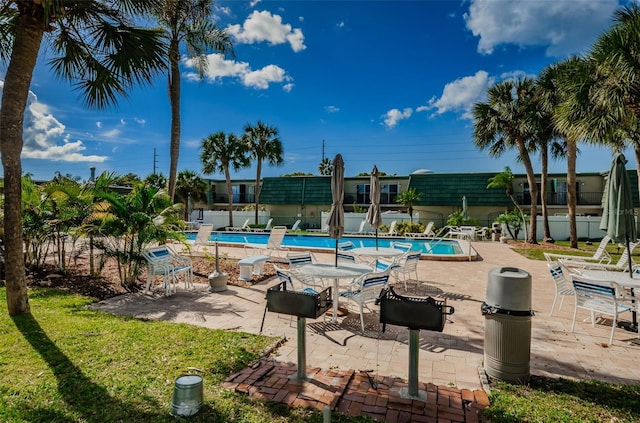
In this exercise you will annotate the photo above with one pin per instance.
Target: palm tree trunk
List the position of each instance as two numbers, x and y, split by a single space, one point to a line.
636 151
227 176
544 158
256 190
174 99
571 192
28 37
533 190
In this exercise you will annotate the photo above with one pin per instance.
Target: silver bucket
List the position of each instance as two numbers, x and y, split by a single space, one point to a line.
187 396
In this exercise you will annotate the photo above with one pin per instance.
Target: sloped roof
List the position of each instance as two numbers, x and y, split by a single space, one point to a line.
447 189
313 190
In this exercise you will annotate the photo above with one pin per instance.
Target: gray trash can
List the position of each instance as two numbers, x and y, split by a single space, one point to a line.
507 325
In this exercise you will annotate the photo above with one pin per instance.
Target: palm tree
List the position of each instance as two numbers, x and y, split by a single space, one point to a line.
96 48
504 180
264 144
220 153
157 180
190 186
325 167
189 22
407 199
504 122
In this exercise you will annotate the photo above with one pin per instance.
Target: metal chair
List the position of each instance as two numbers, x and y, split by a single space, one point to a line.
365 290
163 261
563 286
406 267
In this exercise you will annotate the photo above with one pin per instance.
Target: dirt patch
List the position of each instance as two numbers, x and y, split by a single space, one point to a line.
76 277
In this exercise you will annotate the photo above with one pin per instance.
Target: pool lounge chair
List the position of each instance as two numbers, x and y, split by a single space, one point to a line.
273 245
267 228
427 233
622 264
202 237
296 226
392 230
599 256
245 227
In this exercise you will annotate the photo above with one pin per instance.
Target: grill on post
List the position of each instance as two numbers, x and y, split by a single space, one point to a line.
414 313
301 304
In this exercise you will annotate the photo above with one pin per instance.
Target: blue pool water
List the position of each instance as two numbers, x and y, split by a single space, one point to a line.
436 247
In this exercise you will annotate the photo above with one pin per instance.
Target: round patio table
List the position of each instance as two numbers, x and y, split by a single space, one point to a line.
377 252
342 271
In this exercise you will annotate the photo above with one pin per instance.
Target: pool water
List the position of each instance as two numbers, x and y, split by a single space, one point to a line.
433 247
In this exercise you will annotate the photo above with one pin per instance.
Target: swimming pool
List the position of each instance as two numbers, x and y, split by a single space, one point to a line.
437 249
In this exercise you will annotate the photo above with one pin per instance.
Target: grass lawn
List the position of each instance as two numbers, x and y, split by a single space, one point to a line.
64 363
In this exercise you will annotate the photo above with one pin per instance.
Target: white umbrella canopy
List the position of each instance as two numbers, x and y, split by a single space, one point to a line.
464 207
374 215
336 215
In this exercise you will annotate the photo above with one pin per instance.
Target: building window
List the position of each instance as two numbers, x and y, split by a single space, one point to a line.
388 193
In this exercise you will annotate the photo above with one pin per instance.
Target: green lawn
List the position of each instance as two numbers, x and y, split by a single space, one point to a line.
64 363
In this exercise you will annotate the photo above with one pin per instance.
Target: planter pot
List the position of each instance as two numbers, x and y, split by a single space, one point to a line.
218 281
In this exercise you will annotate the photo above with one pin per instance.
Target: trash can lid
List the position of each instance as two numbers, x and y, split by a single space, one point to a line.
509 272
188 380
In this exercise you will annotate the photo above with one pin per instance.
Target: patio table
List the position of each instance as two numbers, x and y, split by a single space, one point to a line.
331 271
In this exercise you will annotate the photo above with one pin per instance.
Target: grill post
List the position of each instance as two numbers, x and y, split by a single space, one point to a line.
302 348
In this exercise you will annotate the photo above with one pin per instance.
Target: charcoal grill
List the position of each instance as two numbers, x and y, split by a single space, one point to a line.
414 313
301 304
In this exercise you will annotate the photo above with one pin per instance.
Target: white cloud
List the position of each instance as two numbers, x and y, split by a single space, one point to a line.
565 27
113 133
331 109
287 87
460 95
252 3
340 24
393 116
263 26
99 124
218 67
43 133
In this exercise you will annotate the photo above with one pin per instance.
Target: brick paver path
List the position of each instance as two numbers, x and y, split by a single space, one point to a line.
351 392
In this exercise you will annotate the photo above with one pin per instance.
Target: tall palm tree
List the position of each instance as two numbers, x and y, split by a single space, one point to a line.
94 46
190 186
504 180
188 22
264 144
504 122
407 198
220 153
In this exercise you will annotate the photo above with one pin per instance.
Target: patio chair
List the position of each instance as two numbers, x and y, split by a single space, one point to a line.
290 279
563 286
274 243
602 298
202 237
406 267
404 246
345 257
361 229
163 261
365 290
427 233
245 227
300 258
599 256
621 265
296 226
346 246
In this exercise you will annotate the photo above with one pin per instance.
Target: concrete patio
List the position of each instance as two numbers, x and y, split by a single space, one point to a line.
451 358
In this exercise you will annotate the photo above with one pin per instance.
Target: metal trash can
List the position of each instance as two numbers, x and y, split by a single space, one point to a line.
507 326
187 396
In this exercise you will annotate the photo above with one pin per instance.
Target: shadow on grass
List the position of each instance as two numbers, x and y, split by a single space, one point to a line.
85 400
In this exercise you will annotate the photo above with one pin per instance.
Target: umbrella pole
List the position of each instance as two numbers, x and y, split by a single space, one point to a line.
336 252
634 314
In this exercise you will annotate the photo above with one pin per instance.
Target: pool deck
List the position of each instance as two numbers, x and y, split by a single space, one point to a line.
449 360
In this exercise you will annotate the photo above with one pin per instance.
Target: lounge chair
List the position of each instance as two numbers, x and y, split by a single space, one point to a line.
267 228
296 226
599 256
392 230
202 237
245 227
622 264
361 229
274 243
427 233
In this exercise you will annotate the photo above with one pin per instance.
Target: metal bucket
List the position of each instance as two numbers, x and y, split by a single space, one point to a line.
187 396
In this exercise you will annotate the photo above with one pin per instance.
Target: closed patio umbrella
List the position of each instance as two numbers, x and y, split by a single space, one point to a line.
464 207
374 216
618 215
336 215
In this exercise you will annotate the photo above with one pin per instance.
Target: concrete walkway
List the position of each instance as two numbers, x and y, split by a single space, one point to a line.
451 358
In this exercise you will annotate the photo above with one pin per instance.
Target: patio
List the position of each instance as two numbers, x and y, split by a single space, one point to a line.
448 359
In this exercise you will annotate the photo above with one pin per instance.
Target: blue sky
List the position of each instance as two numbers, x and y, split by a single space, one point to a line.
389 83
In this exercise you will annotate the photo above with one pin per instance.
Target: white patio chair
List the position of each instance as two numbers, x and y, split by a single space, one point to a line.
267 227
245 227
599 256
406 267
563 286
621 265
202 237
274 243
296 226
163 261
346 246
365 290
300 258
427 233
602 298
